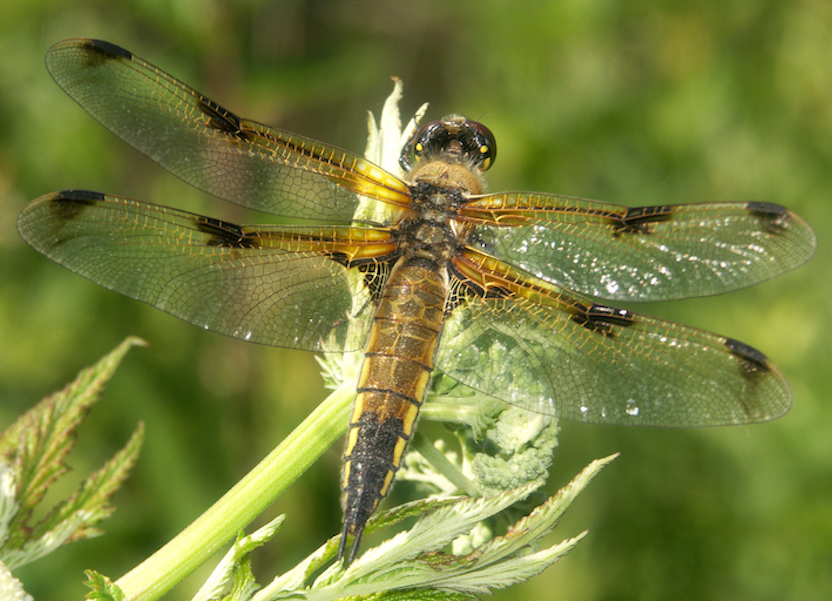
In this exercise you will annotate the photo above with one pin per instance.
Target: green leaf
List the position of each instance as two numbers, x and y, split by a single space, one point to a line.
92 498
416 595
102 587
414 565
32 453
233 573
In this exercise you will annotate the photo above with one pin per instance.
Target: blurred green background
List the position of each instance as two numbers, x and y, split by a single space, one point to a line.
636 103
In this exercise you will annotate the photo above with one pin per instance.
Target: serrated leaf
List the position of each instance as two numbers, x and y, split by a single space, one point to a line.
416 595
94 493
234 570
502 574
413 564
102 587
34 449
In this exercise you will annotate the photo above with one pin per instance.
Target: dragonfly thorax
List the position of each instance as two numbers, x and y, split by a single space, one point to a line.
430 229
442 173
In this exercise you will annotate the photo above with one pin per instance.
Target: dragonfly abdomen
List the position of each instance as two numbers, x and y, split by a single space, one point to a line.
397 366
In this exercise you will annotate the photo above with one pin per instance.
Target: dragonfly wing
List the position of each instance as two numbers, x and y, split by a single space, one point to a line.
641 253
210 147
264 284
543 348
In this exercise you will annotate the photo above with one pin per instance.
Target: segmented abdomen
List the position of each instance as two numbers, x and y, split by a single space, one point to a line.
397 366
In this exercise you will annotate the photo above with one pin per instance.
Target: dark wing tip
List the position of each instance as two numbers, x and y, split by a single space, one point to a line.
755 367
766 208
87 197
40 220
72 54
68 204
108 49
754 363
776 219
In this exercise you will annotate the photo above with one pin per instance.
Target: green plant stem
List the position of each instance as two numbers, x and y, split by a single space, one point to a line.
440 462
239 506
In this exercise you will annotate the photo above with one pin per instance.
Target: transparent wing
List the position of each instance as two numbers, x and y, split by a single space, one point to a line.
212 148
641 253
537 346
281 286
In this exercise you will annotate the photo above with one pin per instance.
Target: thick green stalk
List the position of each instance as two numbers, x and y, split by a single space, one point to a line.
239 506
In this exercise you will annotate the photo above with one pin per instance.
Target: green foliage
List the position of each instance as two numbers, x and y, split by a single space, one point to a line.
102 588
33 454
413 564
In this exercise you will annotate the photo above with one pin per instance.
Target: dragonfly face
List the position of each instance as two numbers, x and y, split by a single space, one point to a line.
454 136
501 291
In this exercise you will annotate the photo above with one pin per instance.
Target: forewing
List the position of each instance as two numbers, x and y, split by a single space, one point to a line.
540 347
641 253
212 148
281 286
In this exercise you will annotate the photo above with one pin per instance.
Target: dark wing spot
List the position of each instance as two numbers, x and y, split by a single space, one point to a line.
68 204
221 119
373 269
775 219
464 289
497 292
601 318
363 264
637 220
224 234
98 51
340 258
612 315
753 363
375 278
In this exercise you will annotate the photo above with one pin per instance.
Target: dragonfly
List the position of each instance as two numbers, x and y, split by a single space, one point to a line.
503 292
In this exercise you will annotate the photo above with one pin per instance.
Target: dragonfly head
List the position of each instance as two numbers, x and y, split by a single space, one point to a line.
451 139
